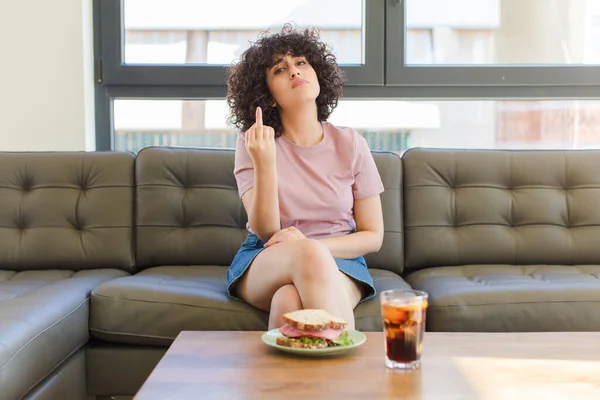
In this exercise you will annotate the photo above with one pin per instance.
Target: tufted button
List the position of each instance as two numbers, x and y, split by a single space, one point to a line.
77 225
26 185
85 179
82 183
21 223
25 181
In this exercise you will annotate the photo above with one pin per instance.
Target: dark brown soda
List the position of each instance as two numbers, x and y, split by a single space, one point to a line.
403 337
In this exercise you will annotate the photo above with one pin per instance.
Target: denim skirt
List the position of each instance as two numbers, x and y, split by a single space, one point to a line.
355 268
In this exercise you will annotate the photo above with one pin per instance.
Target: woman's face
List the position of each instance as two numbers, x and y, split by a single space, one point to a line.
292 81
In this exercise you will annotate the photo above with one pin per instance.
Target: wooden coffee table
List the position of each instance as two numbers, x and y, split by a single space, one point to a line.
238 365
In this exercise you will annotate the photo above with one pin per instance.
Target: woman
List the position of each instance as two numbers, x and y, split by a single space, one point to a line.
310 189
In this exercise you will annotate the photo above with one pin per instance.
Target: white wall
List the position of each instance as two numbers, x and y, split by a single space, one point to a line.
46 75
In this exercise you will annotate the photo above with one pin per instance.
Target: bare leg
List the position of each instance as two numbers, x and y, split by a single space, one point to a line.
355 293
285 300
309 266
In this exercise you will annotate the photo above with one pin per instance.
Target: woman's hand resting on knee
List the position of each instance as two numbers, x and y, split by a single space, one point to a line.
284 235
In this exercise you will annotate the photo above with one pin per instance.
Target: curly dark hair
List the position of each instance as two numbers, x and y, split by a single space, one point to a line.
247 79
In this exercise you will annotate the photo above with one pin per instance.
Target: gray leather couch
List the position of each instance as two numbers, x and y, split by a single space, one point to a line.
504 240
106 257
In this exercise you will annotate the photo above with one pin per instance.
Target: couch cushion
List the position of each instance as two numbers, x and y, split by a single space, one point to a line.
504 298
71 210
43 320
501 207
189 211
153 306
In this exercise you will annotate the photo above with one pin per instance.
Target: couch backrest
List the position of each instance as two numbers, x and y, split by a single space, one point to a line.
188 210
187 207
501 207
391 255
66 210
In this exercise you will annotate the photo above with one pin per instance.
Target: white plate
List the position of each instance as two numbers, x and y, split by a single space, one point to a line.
270 338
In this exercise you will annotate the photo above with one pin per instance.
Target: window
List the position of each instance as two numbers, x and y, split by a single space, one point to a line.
189 32
187 42
387 125
201 123
526 42
466 73
526 32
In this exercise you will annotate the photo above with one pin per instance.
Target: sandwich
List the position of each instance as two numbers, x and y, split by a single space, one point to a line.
313 329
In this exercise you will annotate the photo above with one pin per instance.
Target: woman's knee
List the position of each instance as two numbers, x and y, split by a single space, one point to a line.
313 261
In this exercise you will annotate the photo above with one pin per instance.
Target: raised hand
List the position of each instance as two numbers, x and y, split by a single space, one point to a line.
260 142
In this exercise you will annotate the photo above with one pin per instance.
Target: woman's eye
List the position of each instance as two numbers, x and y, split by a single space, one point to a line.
278 70
301 62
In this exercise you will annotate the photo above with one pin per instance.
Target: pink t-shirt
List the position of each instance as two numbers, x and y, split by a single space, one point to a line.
317 185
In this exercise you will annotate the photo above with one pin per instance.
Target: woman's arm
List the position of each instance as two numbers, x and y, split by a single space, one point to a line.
263 215
369 231
262 200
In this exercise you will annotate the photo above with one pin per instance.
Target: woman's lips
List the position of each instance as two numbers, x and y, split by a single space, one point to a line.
298 83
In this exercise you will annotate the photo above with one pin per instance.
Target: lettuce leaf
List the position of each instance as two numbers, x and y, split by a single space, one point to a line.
343 340
307 340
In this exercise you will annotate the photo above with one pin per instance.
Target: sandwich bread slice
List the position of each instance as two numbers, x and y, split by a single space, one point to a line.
313 329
